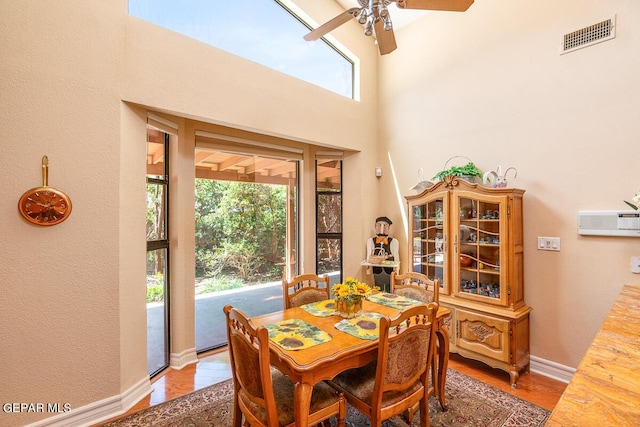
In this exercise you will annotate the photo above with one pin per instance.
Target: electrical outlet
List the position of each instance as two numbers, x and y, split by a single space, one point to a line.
635 264
549 244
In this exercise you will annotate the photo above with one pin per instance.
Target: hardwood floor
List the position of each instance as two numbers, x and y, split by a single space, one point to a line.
214 367
532 387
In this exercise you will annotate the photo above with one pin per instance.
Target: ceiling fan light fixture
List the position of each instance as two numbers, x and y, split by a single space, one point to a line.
362 17
368 28
376 18
388 25
382 9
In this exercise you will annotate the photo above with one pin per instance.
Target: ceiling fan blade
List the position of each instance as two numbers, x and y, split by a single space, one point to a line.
386 39
450 5
332 24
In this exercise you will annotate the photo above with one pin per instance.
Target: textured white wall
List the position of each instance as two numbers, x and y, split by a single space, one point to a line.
59 303
77 80
487 84
490 84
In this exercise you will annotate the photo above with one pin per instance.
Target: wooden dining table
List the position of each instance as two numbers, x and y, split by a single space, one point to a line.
308 366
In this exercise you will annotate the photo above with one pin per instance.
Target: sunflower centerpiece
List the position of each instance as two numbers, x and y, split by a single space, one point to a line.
349 296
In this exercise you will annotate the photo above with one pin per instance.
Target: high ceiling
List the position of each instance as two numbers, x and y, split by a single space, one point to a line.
247 168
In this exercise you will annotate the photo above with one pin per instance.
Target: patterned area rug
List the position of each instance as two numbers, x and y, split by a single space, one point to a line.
471 403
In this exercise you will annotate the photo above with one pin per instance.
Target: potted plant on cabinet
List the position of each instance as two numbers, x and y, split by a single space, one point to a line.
468 172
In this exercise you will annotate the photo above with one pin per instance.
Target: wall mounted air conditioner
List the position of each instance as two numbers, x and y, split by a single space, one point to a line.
609 223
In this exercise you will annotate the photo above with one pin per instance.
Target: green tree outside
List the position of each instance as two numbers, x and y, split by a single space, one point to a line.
240 233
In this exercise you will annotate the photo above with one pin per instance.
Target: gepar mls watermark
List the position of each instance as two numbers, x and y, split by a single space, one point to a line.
33 407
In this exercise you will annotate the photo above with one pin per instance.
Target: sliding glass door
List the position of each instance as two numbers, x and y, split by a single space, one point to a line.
246 228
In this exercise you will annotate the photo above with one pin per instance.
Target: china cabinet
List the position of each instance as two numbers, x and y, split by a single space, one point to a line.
471 238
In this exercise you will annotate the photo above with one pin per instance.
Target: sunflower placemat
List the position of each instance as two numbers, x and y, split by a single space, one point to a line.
394 301
321 308
365 326
296 334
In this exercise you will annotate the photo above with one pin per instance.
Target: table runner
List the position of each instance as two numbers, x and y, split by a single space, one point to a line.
365 326
394 301
296 334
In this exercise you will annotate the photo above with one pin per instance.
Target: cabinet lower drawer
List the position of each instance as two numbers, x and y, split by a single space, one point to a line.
485 335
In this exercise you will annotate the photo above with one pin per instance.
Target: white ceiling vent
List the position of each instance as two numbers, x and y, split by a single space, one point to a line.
588 36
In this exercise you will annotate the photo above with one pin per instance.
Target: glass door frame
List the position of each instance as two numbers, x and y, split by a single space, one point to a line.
163 244
336 235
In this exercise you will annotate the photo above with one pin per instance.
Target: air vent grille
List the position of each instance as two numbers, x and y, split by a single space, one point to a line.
588 36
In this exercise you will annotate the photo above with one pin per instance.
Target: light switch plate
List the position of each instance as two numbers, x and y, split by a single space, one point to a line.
635 264
549 244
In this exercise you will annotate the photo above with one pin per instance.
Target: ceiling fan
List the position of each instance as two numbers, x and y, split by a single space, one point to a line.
374 15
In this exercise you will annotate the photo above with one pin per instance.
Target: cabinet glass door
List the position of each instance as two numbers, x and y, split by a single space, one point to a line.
479 250
429 241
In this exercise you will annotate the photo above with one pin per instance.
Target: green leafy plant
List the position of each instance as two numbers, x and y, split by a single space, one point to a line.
467 170
155 293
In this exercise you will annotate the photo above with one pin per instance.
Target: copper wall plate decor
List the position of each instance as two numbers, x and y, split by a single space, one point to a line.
45 205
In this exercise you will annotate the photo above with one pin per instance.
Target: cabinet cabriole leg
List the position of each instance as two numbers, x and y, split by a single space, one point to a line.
514 378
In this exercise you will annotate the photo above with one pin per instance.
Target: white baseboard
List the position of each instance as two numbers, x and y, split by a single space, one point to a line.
101 410
110 407
551 369
180 360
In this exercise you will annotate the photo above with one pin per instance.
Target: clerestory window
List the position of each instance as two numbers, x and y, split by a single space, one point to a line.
263 31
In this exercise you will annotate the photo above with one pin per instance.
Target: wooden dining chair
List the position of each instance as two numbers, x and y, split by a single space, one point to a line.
305 289
416 286
393 383
264 396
